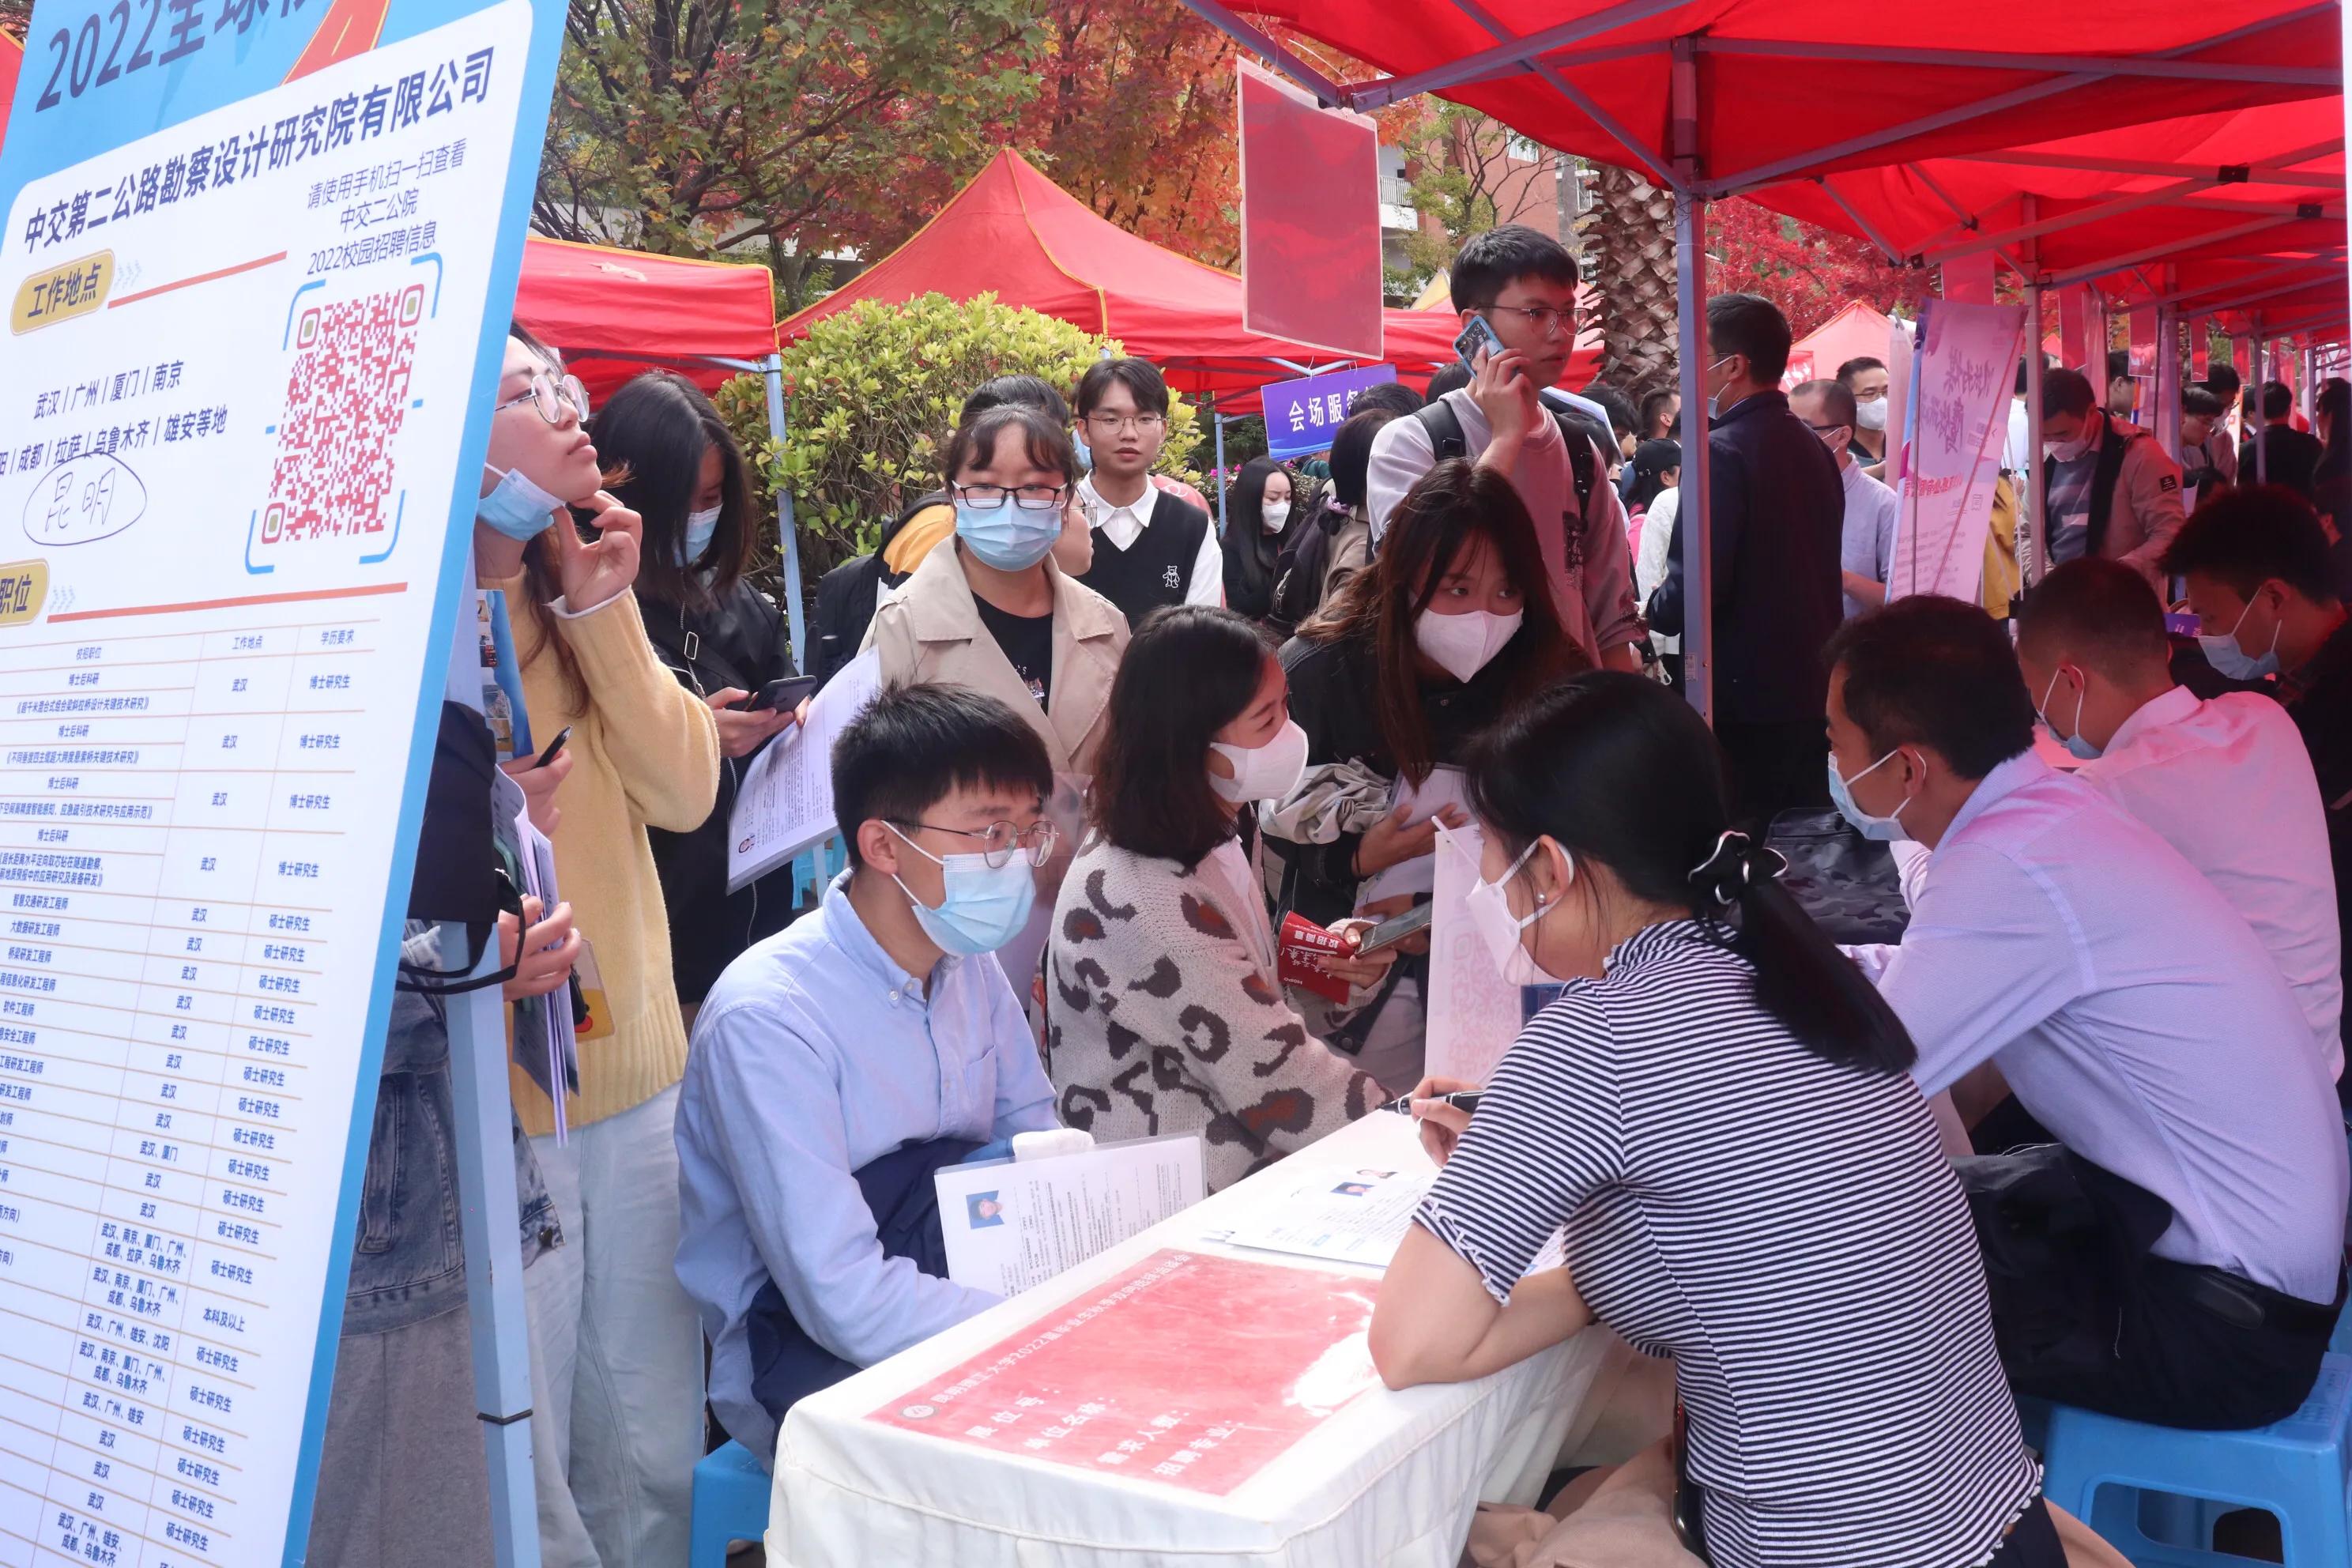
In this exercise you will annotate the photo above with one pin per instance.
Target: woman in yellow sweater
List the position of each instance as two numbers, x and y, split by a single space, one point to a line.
616 1349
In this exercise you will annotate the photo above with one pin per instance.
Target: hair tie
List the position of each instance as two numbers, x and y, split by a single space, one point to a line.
1735 866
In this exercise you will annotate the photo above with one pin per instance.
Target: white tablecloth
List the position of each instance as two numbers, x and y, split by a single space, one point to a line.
1388 1482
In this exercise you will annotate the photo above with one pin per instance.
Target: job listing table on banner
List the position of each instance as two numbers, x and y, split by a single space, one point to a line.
1179 1399
257 272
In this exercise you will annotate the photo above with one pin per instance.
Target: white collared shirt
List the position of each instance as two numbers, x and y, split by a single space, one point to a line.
1123 525
2133 1014
2229 784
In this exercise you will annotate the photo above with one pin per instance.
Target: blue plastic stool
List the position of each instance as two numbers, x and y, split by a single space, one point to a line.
2097 1465
730 1504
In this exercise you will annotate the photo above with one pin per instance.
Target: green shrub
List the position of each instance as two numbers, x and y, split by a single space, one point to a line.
871 392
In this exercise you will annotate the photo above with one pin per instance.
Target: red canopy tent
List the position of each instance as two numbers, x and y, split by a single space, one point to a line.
612 313
12 60
1014 234
1720 97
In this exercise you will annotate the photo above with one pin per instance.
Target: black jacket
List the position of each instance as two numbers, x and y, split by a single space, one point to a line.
846 595
1778 506
2292 458
742 644
1332 697
1254 561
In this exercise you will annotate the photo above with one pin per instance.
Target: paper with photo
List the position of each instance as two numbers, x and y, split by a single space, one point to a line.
1474 1014
785 804
1009 1225
1337 1213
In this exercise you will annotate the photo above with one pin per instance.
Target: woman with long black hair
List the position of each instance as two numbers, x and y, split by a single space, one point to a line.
1261 519
676 466
1717 1111
1448 627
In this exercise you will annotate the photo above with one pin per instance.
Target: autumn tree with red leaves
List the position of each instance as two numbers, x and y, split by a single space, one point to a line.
1809 272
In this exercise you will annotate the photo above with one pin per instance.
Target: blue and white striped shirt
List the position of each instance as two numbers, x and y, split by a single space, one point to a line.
1787 1229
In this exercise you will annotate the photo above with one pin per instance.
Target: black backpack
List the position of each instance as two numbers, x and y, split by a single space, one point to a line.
1446 440
846 595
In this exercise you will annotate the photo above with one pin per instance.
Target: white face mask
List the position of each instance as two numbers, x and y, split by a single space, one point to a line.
1871 413
1263 773
1490 912
1461 645
1275 514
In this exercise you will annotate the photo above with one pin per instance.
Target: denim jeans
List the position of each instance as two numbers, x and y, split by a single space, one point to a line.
408 1257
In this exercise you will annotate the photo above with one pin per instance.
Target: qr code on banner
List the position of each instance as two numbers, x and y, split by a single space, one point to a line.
345 399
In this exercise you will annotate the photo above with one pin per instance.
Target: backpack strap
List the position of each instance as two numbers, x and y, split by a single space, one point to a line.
1580 467
1445 428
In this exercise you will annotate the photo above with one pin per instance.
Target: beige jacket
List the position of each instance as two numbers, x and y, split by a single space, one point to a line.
932 632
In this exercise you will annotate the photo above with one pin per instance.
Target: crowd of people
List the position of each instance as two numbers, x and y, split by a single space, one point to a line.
1111 751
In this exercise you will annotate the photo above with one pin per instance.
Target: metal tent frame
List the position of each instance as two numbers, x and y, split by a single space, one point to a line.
1683 166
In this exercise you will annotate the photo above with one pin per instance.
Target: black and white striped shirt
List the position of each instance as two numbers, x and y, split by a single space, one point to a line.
1788 1230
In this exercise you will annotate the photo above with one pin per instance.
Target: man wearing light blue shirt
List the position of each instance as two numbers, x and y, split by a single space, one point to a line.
1866 549
838 1064
2130 1010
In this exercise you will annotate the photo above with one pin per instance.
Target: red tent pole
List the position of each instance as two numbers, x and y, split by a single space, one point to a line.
1690 288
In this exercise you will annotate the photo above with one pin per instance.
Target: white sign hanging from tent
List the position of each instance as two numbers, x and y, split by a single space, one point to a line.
1960 382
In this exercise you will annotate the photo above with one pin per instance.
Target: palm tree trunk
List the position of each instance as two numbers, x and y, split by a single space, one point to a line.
1629 236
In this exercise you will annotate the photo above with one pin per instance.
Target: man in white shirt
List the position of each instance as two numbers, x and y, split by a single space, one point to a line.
2178 1261
2227 781
1523 284
1152 548
1866 554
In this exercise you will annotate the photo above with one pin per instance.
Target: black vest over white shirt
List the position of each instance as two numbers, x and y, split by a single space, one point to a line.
1157 569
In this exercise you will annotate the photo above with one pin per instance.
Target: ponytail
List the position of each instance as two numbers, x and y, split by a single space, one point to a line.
1620 773
1801 979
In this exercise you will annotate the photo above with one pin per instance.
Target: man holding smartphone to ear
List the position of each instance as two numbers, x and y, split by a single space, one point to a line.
1520 285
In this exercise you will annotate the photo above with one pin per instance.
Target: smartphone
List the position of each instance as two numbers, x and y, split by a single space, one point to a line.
1395 929
1476 334
554 748
787 692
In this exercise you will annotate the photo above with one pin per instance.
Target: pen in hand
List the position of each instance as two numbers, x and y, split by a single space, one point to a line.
1460 1098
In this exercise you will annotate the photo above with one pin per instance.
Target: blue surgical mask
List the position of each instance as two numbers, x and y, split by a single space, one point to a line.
699 528
517 507
2074 744
1006 536
982 907
1887 829
2233 662
1085 453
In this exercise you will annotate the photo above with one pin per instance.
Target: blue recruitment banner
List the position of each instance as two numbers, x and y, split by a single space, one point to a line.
258 260
1301 416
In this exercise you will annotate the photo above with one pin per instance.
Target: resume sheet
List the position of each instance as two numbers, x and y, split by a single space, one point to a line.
1013 1223
786 802
1344 1215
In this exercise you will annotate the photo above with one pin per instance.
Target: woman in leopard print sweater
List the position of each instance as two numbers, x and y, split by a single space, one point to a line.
1163 1011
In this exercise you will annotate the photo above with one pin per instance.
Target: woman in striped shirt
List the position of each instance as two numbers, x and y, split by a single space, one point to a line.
1718 1113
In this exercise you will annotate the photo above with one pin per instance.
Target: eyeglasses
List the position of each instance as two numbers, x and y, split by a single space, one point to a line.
998 840
1545 319
1822 429
1141 424
1028 497
551 395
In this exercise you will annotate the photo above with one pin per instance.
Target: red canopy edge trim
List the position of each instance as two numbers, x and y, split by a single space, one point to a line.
539 238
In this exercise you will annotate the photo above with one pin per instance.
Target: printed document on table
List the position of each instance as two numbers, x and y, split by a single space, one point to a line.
785 804
1345 1215
1012 1223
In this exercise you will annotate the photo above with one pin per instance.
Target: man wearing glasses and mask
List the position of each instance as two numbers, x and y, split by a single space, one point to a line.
1152 547
839 1064
1522 286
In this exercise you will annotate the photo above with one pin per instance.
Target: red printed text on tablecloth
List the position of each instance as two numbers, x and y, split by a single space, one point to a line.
1189 1370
